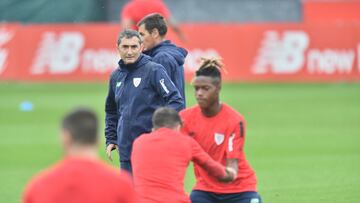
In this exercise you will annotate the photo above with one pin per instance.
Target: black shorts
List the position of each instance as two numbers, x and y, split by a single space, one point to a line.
199 196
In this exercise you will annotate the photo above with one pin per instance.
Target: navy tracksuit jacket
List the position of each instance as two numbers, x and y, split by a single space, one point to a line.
135 92
172 58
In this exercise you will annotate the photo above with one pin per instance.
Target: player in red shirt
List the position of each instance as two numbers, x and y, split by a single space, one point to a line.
80 176
135 10
160 160
220 131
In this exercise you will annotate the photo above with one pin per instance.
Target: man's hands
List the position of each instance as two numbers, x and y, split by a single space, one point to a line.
231 170
230 175
109 148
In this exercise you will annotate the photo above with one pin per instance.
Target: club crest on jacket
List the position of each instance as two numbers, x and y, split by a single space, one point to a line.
136 81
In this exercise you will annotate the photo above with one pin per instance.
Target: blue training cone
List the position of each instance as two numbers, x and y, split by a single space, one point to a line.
26 106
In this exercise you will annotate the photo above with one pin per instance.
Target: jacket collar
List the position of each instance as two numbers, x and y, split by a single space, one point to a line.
143 59
153 50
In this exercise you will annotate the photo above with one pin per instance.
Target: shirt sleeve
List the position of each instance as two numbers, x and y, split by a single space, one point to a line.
201 158
111 116
167 90
235 145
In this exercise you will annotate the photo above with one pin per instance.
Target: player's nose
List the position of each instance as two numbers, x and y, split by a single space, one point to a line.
199 94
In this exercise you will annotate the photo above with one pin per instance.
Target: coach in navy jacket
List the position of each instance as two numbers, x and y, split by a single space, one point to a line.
153 29
136 90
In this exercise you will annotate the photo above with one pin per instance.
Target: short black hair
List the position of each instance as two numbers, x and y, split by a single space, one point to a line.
128 34
156 21
210 68
82 125
165 117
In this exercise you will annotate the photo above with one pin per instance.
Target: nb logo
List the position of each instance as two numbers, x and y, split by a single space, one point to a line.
58 53
281 54
5 37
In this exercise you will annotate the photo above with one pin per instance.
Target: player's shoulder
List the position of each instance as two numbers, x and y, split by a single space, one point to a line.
41 179
110 175
114 173
231 113
191 111
163 57
115 73
162 54
185 140
142 138
154 67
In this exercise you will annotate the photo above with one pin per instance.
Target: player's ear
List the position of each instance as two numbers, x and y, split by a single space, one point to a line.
154 32
65 138
118 49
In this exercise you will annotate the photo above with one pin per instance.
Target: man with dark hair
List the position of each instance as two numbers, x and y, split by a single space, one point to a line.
134 10
160 160
153 29
80 176
82 125
220 131
136 89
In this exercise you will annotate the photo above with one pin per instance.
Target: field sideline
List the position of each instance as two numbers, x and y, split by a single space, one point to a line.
303 140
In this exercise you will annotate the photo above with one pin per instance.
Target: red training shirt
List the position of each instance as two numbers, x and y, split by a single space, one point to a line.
222 137
80 180
137 9
159 161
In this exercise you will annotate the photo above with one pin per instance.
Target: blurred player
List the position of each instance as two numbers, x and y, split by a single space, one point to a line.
80 176
136 89
220 131
134 10
153 29
160 160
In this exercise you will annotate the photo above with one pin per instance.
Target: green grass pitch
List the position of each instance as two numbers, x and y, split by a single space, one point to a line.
303 140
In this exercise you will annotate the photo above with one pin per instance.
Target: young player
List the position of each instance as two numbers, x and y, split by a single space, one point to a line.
160 160
220 131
